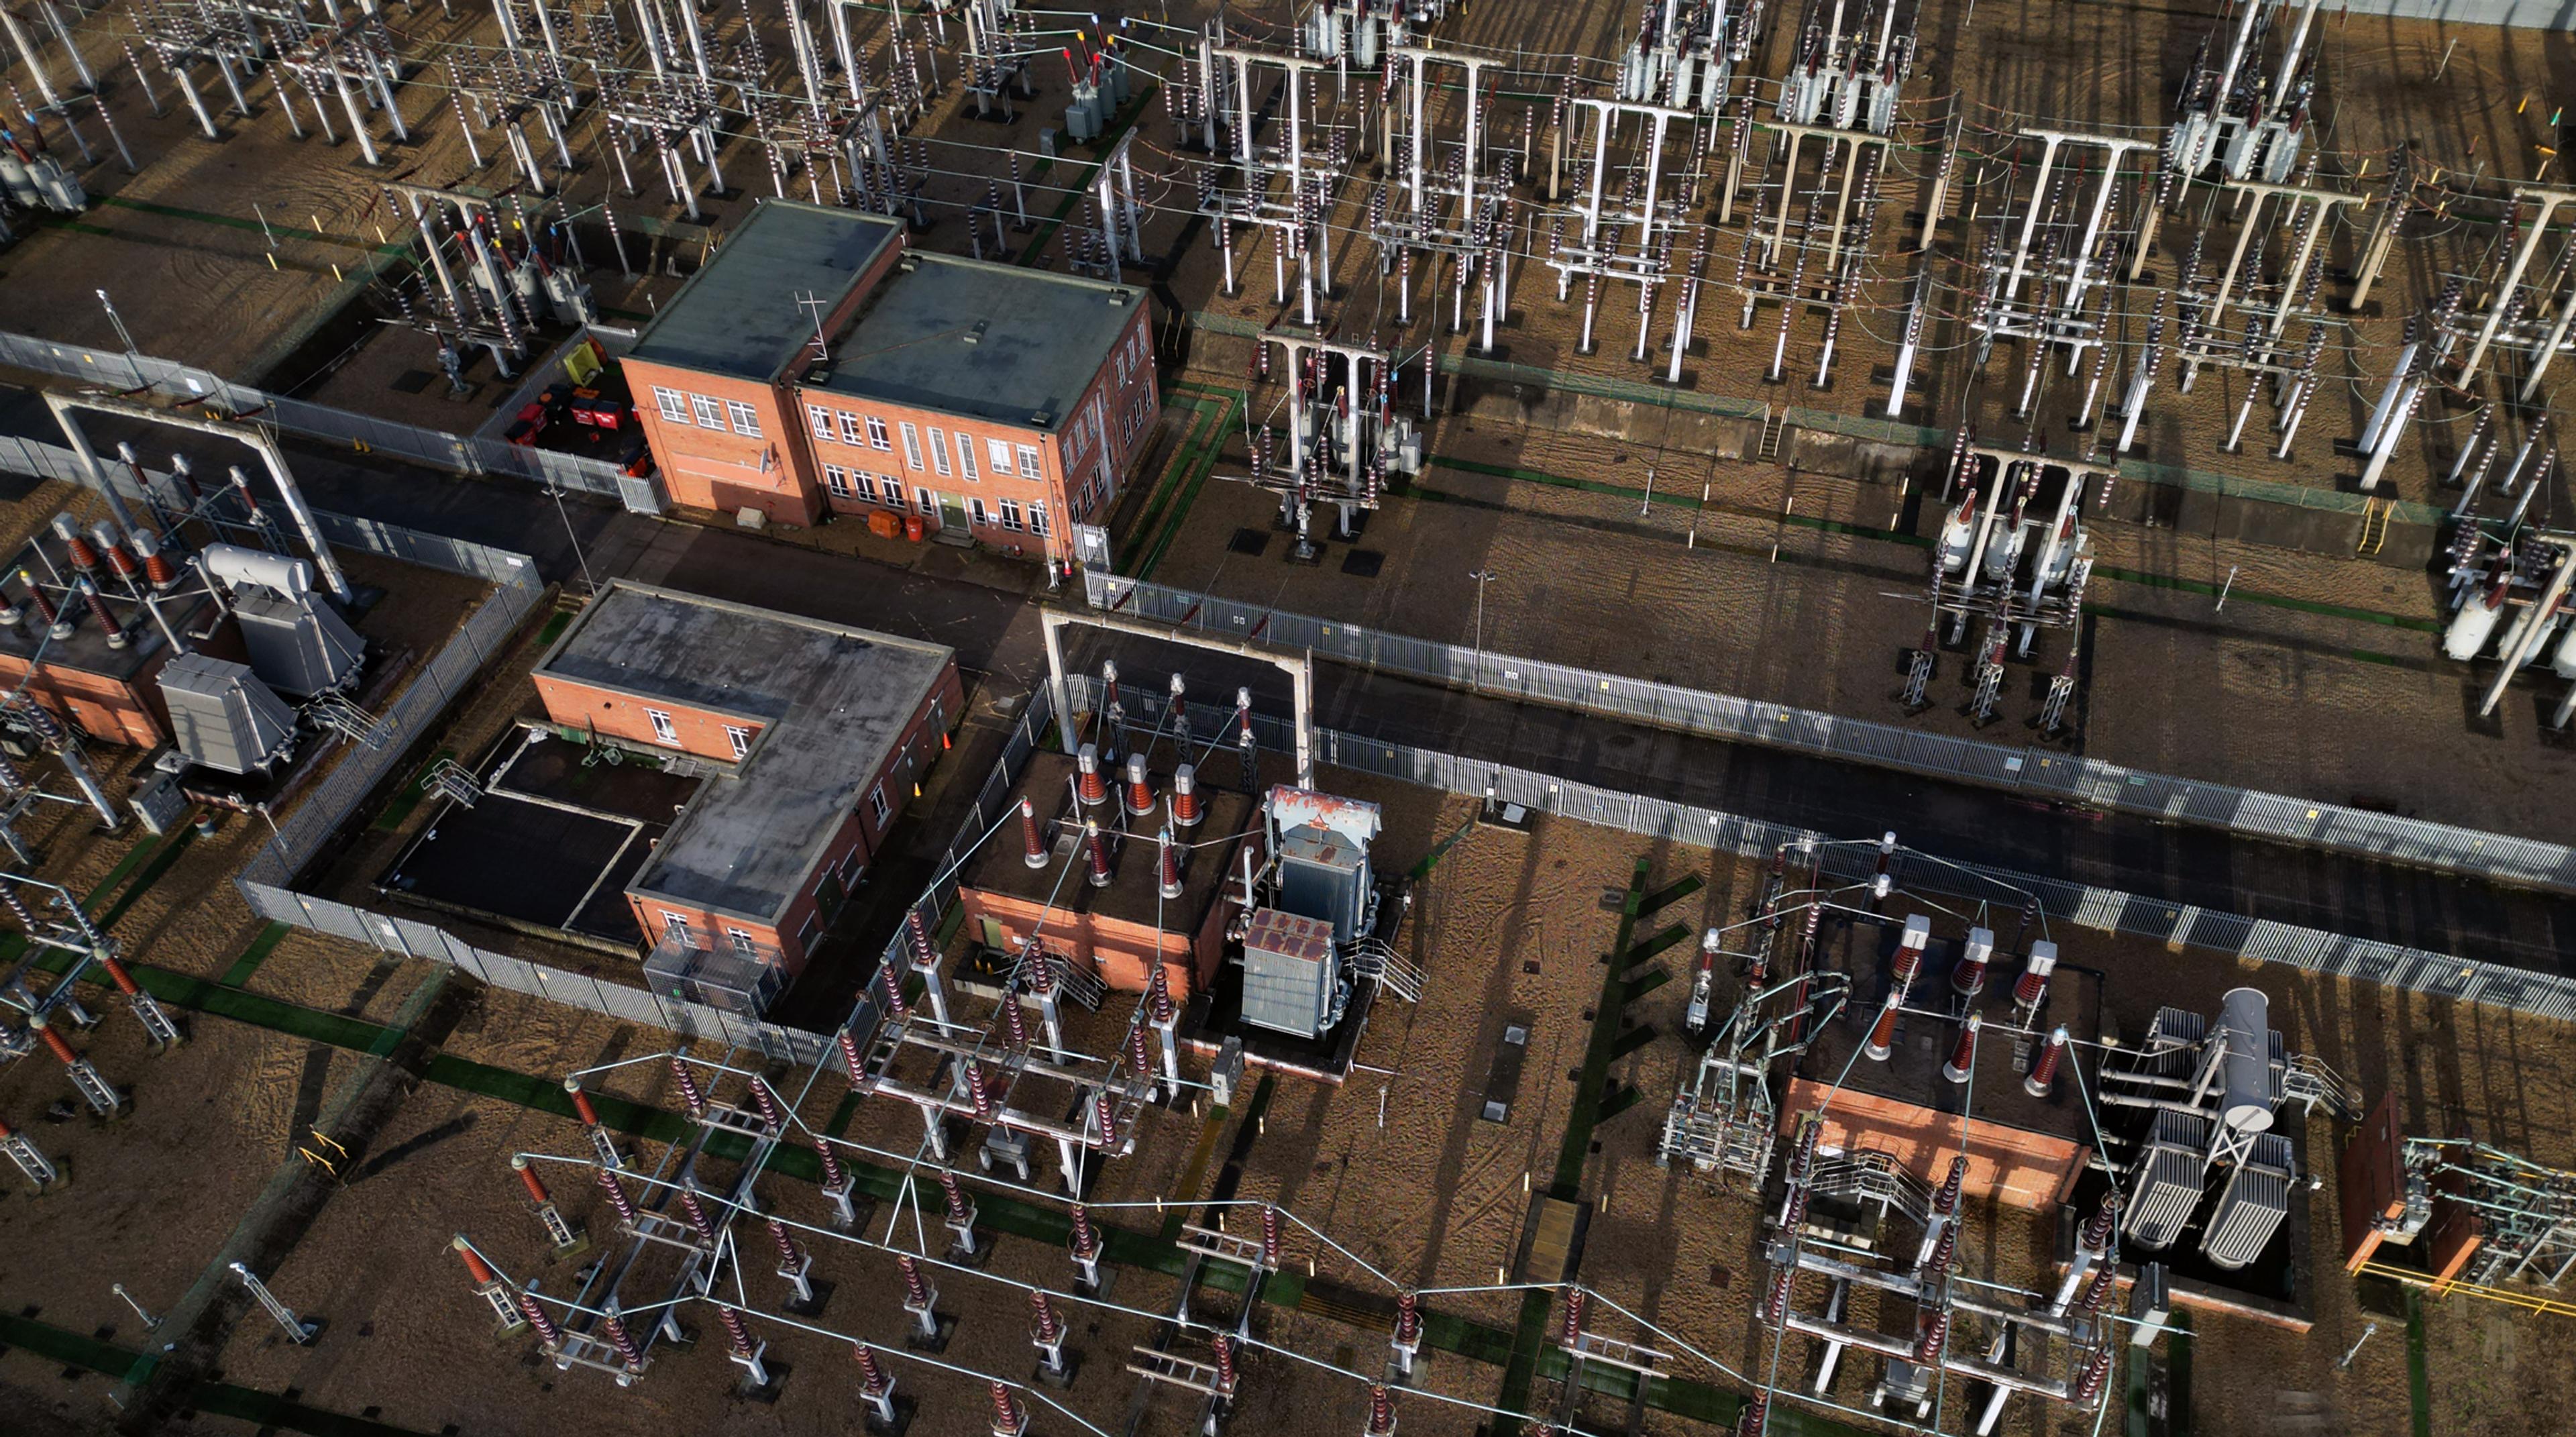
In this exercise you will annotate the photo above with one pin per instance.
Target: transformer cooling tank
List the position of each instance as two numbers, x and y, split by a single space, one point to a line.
2472 626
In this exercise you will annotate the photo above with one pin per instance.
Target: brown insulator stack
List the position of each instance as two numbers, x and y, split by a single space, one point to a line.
1097 847
2044 1071
1091 786
1882 1034
1034 851
1140 788
1186 810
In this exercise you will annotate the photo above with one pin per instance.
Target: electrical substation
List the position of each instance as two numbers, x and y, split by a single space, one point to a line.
1460 717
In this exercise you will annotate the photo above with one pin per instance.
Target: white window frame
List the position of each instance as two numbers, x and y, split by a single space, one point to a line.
877 804
850 429
675 925
966 459
863 484
877 437
822 418
999 450
1037 520
1031 466
740 738
710 414
837 479
925 502
746 420
975 513
742 941
672 403
1011 515
911 447
664 730
939 452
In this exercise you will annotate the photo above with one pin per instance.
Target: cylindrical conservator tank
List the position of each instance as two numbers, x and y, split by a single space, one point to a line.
2244 1026
236 565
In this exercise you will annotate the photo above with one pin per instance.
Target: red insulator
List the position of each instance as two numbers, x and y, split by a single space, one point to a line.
1968 979
528 1179
1158 996
1006 1410
1882 1034
2097 1375
893 986
1036 853
1171 854
116 973
696 1212
850 1059
1408 1316
581 1105
1270 1236
42 607
1140 788
1573 1316
955 1198
917 929
833 1173
1136 1050
2044 1072
1108 1114
915 1291
157 568
1775 1304
1963 1056
1936 1335
54 1042
1946 1201
1946 1249
119 562
1757 1411
98 610
1098 848
788 1254
1185 796
1091 785
2097 1293
475 1266
1015 1022
1909 961
977 1093
76 546
1086 1239
1047 1328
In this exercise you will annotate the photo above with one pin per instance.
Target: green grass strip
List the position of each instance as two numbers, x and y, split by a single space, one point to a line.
257 953
1527 1337
222 1399
1648 948
1226 418
1630 1042
1140 532
151 874
2419 1382
1673 892
254 226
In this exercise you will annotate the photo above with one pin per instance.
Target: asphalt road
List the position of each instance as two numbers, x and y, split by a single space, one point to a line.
997 633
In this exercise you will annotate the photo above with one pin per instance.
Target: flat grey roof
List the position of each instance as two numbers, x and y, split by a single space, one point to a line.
1043 338
832 702
738 315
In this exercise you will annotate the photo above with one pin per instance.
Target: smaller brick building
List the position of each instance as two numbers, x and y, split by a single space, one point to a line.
816 366
1120 929
816 735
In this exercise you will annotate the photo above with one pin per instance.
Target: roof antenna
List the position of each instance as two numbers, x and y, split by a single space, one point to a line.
807 299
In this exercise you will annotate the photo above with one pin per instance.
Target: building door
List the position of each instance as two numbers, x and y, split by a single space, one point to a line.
952 513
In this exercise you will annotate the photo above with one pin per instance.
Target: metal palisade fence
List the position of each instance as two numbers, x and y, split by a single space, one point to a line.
2310 950
466 453
2254 814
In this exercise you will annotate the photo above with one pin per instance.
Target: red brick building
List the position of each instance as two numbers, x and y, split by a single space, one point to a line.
818 366
815 735
1119 929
